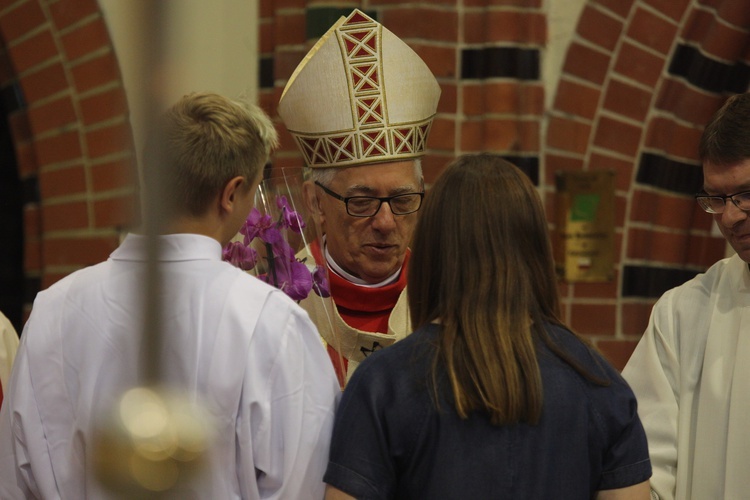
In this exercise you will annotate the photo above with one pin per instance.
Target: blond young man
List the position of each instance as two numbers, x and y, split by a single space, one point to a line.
243 349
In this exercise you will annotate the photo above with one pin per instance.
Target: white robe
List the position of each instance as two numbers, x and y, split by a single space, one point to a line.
246 351
691 375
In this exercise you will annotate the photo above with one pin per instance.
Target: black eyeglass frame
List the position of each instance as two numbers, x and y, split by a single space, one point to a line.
386 199
701 198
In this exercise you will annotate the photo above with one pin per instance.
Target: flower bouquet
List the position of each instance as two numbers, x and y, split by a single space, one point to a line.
274 245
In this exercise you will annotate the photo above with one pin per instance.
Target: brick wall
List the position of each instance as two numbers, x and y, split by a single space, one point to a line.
636 87
61 87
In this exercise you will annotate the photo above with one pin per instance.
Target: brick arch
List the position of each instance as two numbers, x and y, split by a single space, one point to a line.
640 80
67 109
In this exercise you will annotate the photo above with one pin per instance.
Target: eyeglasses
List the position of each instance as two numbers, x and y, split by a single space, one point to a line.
715 204
368 206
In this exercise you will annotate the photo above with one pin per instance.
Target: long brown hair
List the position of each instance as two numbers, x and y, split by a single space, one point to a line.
482 266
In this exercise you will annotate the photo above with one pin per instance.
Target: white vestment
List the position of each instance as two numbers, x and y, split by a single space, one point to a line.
241 348
691 375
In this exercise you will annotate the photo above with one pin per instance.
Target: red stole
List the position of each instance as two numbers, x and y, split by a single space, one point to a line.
366 309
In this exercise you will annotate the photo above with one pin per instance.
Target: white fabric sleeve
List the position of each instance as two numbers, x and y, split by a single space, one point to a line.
653 374
289 397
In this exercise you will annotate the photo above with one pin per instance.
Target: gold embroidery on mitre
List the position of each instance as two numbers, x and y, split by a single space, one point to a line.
372 136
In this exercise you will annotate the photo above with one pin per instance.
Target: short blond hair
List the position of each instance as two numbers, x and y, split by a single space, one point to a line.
204 141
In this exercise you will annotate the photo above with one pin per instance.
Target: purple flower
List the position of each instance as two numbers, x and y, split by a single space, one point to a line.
239 255
256 225
290 276
290 218
320 282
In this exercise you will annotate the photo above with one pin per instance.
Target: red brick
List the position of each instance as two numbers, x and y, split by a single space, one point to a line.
42 83
662 209
266 37
20 129
58 148
687 103
634 62
619 7
698 26
635 317
62 182
96 72
735 12
704 251
652 31
266 8
285 62
505 26
568 135
658 246
422 23
442 135
472 135
500 135
63 216
599 28
623 169
289 4
82 251
21 20
26 159
32 226
433 165
103 106
602 290
440 60
725 42
672 138
617 136
448 98
32 255
586 63
670 8
528 4
108 140
113 175
7 72
115 212
67 12
86 39
29 53
593 319
556 163
503 98
52 115
617 352
289 29
575 99
627 100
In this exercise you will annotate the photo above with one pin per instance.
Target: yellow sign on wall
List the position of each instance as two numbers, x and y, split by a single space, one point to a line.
585 226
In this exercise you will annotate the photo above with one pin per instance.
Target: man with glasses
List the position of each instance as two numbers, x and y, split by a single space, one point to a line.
360 106
691 370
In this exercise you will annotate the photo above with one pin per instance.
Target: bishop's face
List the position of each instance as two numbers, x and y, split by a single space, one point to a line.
371 248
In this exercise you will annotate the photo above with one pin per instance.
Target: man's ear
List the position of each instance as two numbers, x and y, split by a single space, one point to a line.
230 192
312 202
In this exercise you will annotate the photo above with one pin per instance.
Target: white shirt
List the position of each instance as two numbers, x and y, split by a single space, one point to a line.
691 375
244 349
